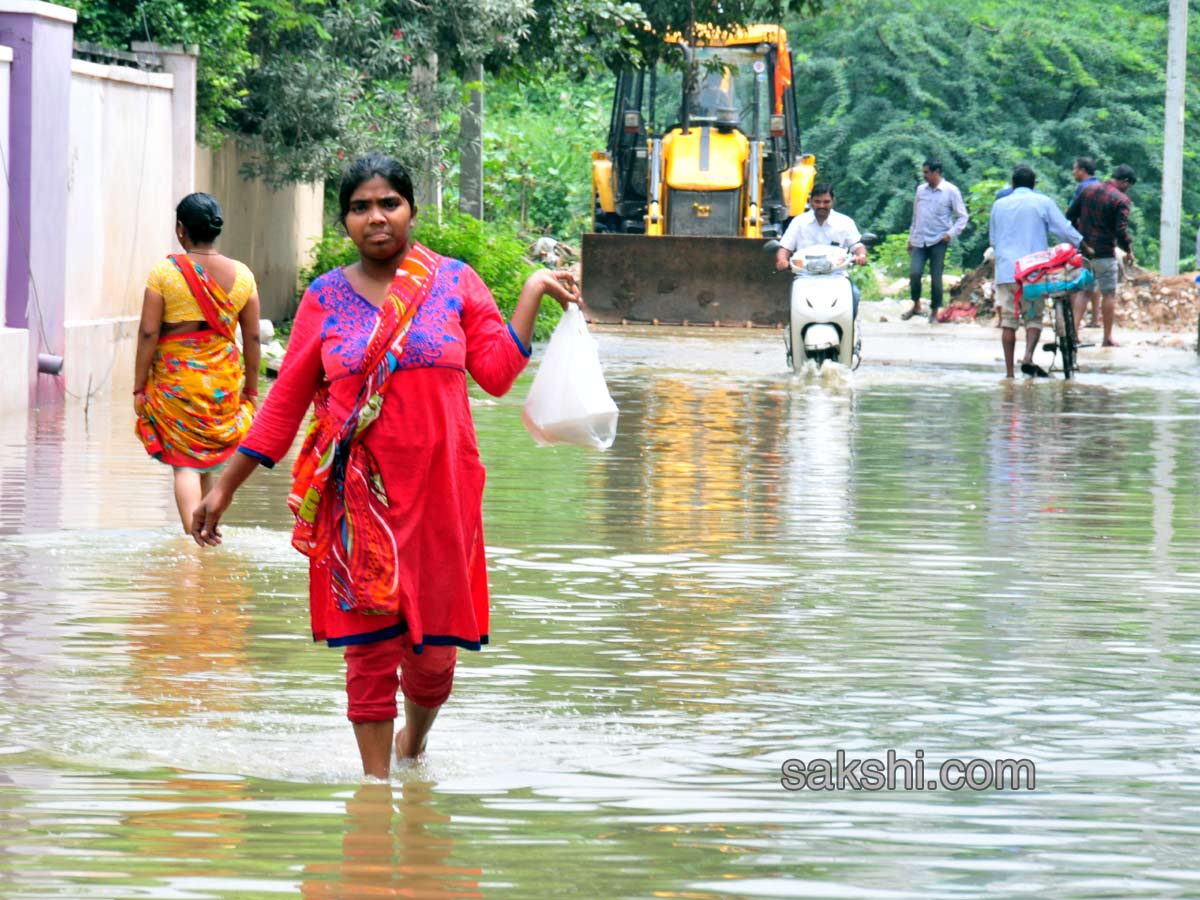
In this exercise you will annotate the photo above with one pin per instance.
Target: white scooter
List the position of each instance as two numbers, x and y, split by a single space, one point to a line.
821 325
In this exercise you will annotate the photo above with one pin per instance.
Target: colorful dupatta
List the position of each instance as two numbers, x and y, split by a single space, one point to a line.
214 303
194 415
338 495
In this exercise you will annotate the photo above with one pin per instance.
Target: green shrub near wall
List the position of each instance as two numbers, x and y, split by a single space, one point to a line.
491 249
495 251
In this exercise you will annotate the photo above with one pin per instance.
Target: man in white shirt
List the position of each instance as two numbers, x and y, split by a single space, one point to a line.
939 216
821 224
824 225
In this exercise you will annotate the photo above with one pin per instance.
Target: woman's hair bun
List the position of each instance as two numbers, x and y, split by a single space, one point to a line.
200 215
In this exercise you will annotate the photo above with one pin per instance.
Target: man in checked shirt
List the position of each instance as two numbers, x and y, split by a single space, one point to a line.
1101 213
939 216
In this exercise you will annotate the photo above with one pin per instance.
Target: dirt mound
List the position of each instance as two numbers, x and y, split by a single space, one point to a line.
1146 301
1151 302
976 288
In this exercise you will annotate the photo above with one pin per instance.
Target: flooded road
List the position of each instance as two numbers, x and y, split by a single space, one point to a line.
764 567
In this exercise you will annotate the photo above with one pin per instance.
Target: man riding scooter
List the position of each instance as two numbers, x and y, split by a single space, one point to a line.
824 225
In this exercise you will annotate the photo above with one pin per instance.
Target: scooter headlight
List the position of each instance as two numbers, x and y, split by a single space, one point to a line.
818 265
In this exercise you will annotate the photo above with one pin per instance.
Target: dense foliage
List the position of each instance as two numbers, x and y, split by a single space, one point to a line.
681 16
538 140
986 85
312 81
881 84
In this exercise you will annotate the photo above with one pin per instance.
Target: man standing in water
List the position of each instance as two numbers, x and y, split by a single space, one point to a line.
1022 223
939 216
1084 173
1101 212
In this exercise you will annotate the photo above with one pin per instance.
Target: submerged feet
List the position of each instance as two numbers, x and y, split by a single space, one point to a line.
405 751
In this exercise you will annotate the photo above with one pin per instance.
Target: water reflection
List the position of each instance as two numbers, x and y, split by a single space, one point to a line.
209 826
763 567
821 432
679 485
189 637
393 847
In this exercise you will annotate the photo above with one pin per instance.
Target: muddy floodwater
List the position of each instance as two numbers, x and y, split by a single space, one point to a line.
765 567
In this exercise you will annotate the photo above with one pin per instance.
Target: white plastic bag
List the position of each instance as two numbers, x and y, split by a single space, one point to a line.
568 402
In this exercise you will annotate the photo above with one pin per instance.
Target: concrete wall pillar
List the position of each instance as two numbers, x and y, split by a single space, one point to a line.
14 342
41 36
179 62
6 58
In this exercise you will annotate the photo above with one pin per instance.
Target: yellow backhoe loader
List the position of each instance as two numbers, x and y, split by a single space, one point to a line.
694 181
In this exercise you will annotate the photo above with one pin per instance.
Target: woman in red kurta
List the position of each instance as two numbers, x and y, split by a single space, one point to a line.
422 445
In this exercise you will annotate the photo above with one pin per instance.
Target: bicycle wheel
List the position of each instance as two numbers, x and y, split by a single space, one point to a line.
1068 342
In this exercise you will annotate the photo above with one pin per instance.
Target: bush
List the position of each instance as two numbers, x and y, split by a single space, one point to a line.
491 249
495 251
538 151
868 284
334 249
891 255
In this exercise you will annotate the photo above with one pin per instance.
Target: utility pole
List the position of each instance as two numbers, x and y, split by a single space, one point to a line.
1172 183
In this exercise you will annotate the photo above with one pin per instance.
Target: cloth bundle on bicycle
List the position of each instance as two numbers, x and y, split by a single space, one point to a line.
1057 270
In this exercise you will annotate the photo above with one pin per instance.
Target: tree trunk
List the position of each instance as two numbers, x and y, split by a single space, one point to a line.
428 177
470 172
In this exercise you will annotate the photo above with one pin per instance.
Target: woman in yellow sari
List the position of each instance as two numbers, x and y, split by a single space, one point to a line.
194 397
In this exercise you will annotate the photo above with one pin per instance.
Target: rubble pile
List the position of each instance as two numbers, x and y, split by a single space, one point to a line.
1146 301
977 289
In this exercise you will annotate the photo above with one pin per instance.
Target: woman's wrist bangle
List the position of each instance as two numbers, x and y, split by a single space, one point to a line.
138 391
253 393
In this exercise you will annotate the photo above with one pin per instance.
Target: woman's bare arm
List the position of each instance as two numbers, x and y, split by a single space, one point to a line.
249 318
148 331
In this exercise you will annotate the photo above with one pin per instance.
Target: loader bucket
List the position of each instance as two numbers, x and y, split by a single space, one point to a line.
682 280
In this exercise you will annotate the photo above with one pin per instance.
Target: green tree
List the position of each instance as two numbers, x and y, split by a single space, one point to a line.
984 86
537 150
313 81
682 16
327 90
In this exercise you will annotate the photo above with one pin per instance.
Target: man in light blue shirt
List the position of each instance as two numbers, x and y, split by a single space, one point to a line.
939 216
1022 223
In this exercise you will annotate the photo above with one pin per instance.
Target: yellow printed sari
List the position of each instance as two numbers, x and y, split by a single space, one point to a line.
194 415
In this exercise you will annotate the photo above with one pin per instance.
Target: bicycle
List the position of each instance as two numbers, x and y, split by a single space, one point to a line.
1056 273
1066 342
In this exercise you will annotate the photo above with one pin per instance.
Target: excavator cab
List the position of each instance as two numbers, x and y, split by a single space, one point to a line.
703 164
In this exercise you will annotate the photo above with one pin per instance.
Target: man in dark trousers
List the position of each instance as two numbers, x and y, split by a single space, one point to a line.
1101 213
1084 173
939 216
